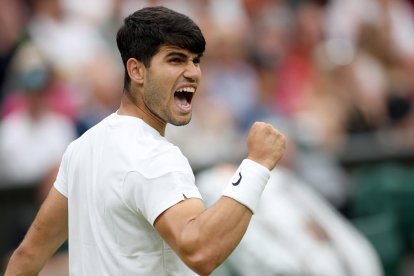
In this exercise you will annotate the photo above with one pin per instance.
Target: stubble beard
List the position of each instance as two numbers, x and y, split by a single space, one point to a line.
155 104
180 123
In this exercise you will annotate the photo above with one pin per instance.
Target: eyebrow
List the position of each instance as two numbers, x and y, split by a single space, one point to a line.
182 55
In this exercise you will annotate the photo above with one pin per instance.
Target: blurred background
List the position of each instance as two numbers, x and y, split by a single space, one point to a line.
337 76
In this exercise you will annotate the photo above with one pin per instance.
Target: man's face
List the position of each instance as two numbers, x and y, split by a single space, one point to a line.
170 84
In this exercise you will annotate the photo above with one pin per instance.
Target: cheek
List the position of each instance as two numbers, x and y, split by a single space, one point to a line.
163 82
156 96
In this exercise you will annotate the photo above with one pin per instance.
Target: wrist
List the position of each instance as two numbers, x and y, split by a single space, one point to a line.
265 163
248 183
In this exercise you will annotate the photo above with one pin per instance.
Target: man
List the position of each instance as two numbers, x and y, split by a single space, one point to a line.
124 196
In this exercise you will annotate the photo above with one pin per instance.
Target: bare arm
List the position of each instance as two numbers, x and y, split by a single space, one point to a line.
204 238
46 234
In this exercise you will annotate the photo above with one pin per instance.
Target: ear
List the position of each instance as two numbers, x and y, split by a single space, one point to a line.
136 70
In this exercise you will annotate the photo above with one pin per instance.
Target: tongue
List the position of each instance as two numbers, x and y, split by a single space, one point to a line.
181 101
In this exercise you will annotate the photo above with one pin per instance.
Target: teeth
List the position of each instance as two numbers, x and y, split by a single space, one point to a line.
187 89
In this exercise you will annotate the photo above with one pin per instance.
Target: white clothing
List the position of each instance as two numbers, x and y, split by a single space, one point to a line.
119 177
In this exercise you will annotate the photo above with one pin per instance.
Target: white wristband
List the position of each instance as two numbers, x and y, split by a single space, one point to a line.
247 184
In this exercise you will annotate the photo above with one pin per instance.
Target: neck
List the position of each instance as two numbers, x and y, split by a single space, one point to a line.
136 107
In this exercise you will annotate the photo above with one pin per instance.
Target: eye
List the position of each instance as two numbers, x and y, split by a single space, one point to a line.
196 61
176 60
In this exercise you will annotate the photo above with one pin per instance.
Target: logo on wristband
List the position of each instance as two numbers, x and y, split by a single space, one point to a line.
238 181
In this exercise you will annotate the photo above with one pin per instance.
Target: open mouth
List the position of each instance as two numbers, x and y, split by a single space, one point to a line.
183 98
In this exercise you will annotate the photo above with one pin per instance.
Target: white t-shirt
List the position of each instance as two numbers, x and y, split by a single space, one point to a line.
118 178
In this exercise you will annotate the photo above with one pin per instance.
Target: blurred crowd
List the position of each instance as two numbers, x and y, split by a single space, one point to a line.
336 76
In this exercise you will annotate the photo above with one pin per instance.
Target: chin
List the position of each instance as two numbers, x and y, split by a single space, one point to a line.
180 121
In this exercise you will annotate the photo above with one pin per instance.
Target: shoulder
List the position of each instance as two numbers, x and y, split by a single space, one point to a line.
167 158
155 154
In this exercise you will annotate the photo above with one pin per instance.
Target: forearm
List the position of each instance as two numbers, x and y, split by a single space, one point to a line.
31 256
213 235
46 234
203 238
23 263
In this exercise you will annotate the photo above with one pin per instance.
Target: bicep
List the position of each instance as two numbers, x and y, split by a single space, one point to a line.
203 238
170 224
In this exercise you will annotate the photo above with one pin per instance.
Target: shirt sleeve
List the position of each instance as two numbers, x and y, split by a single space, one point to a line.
61 183
152 196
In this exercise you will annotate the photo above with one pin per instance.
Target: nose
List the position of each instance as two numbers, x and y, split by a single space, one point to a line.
192 72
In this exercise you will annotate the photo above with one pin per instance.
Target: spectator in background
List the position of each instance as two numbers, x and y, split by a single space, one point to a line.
57 35
33 136
229 75
379 40
35 129
71 42
13 19
101 82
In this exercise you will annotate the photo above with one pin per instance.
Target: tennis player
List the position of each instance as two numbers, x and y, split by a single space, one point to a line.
124 196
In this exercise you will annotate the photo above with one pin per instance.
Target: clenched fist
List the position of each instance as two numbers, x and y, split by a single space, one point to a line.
265 144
